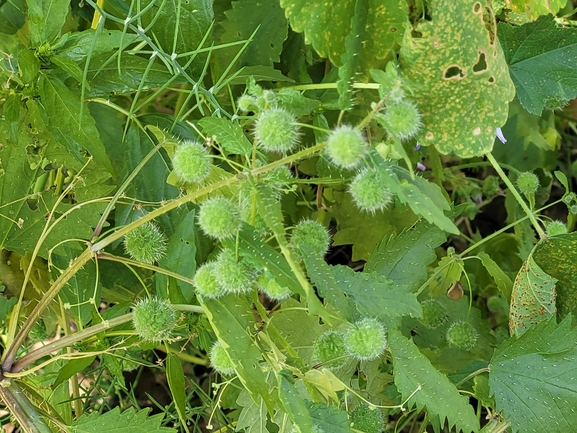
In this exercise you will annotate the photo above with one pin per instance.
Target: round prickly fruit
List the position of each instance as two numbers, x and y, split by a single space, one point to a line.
266 99
145 243
246 103
402 120
434 313
220 361
276 130
555 228
367 420
329 350
205 282
369 190
462 335
528 182
219 217
191 162
366 339
153 319
232 274
272 289
312 234
346 146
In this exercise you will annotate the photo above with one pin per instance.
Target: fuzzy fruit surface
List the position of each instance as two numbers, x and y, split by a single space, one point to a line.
232 274
369 190
145 243
434 313
367 420
220 361
205 282
219 217
313 234
329 350
275 130
191 162
462 336
555 228
402 120
153 319
346 146
528 182
366 339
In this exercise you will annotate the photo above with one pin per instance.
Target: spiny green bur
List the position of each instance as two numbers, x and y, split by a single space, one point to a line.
366 339
346 146
555 228
367 420
528 182
205 282
220 361
246 103
275 130
145 243
402 120
233 275
219 217
191 162
369 190
329 350
313 234
462 336
153 319
434 313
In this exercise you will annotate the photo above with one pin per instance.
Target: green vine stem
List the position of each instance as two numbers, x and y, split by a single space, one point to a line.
515 193
20 406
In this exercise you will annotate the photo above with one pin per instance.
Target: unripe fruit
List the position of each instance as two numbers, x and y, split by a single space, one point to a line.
366 339
275 130
434 313
153 319
191 162
272 289
346 146
246 103
233 275
220 361
266 99
367 420
313 234
369 190
462 336
528 182
219 217
145 243
205 282
329 350
555 228
402 120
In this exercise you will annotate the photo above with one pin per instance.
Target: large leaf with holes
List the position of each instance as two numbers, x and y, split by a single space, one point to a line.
542 58
533 379
557 256
463 83
533 297
327 24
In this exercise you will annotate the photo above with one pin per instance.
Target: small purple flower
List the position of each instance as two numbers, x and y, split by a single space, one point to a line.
417 146
500 135
421 166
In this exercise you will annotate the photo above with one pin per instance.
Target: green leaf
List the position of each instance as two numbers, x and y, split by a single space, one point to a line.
533 378
76 46
447 272
12 16
541 58
327 24
252 417
531 9
432 390
293 403
242 20
6 306
177 385
113 421
61 109
329 418
229 135
532 299
72 367
404 258
69 66
295 102
45 19
557 256
233 322
462 79
504 283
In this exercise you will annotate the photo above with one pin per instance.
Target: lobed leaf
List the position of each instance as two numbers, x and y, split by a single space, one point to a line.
113 421
229 135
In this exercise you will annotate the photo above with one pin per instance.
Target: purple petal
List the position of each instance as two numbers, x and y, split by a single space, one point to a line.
500 135
421 166
417 146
